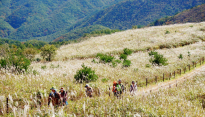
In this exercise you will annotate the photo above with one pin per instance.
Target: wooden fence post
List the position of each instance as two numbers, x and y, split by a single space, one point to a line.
180 71
156 79
174 74
109 91
163 77
195 64
170 75
184 70
146 82
200 61
7 105
189 67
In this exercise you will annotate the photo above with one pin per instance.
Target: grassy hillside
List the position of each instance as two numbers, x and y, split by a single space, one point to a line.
138 12
186 39
36 18
196 14
136 39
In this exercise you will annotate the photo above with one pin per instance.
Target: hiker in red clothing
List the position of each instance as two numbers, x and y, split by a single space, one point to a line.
63 96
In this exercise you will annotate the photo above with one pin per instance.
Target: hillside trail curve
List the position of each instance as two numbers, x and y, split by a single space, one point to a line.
169 84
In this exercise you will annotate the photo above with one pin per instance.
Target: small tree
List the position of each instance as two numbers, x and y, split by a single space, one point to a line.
157 58
30 53
180 56
48 52
86 74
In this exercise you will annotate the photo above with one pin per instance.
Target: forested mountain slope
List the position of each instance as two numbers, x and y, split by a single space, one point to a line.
196 14
138 12
27 19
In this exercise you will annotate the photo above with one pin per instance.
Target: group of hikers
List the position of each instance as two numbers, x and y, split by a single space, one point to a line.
61 97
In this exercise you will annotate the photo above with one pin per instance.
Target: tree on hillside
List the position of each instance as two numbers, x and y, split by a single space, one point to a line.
48 52
30 53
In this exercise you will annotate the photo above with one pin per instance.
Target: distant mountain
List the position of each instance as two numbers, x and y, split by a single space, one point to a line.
77 33
27 19
196 14
137 12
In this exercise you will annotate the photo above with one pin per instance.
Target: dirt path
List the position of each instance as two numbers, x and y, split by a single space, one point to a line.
171 83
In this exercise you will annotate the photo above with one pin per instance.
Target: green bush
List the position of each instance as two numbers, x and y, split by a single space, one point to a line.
126 63
127 51
3 63
105 58
43 67
180 56
86 74
123 56
167 32
157 58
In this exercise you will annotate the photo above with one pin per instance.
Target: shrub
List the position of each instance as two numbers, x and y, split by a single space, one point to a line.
167 32
86 74
123 56
126 63
127 51
43 67
105 58
157 58
180 56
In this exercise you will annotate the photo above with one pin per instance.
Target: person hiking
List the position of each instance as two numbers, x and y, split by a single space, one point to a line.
63 96
120 87
114 88
89 90
54 96
133 88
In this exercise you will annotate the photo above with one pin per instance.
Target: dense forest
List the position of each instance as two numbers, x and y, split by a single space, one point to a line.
138 12
196 14
28 19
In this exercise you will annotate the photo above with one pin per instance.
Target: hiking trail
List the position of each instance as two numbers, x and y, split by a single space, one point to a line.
171 83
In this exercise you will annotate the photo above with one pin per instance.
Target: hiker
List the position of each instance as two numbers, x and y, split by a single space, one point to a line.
120 87
63 96
54 96
114 88
133 88
89 90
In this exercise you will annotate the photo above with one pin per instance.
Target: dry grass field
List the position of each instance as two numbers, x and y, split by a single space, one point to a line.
170 41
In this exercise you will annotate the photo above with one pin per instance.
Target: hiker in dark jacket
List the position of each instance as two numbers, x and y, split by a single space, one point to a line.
54 96
63 96
89 90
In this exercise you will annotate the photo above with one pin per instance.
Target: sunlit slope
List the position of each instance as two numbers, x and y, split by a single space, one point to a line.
136 39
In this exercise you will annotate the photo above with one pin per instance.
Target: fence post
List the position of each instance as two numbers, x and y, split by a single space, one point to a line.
170 75
109 91
195 64
176 83
189 67
174 74
163 77
184 70
156 79
146 82
200 61
180 70
7 105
